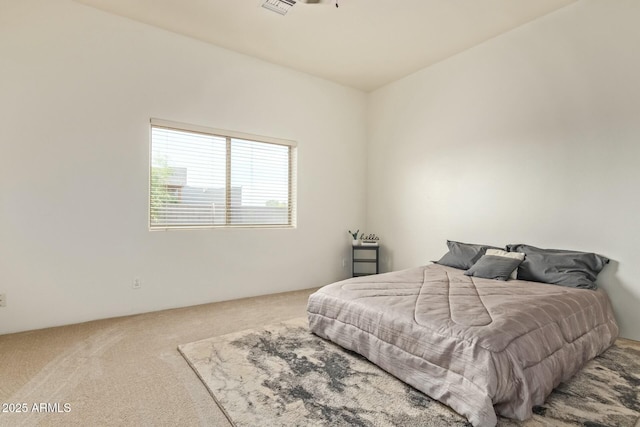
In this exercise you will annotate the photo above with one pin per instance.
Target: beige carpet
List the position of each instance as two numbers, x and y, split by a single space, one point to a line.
127 371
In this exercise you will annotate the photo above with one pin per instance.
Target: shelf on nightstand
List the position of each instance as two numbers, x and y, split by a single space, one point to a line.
364 263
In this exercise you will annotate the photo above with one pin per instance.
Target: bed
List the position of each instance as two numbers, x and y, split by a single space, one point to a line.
481 346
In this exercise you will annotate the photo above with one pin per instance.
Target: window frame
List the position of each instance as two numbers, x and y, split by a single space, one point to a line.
228 135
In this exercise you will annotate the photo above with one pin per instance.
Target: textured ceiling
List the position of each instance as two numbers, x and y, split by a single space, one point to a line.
364 44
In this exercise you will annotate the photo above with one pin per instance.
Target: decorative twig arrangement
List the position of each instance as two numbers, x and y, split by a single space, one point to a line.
364 239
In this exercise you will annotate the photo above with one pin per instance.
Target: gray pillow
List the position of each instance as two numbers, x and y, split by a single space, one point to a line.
493 267
560 267
463 255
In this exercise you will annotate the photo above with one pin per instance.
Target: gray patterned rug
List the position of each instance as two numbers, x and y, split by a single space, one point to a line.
282 375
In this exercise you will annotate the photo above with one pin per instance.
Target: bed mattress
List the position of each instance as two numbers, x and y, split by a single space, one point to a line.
479 346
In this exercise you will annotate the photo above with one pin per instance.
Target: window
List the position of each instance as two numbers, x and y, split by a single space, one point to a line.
204 177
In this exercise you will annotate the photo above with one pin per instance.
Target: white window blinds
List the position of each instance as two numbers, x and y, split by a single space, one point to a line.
209 178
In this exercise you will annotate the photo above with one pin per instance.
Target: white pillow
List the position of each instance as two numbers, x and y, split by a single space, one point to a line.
516 255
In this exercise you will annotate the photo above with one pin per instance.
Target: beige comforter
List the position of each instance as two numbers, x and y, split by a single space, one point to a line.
480 346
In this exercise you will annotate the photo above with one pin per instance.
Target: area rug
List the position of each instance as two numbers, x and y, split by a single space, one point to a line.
282 375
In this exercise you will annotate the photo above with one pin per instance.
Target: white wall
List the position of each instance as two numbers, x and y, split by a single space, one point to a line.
77 89
532 137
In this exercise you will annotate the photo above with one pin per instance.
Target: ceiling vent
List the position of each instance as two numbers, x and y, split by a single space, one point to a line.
279 6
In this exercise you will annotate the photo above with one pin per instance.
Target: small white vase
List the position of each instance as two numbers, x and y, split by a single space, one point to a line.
355 242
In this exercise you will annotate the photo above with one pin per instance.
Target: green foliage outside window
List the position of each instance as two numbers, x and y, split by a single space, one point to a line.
160 194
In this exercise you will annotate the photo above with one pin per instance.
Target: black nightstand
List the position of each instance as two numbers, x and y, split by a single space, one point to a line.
365 260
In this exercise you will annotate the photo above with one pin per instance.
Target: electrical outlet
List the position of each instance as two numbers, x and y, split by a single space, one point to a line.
137 283
344 262
3 300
